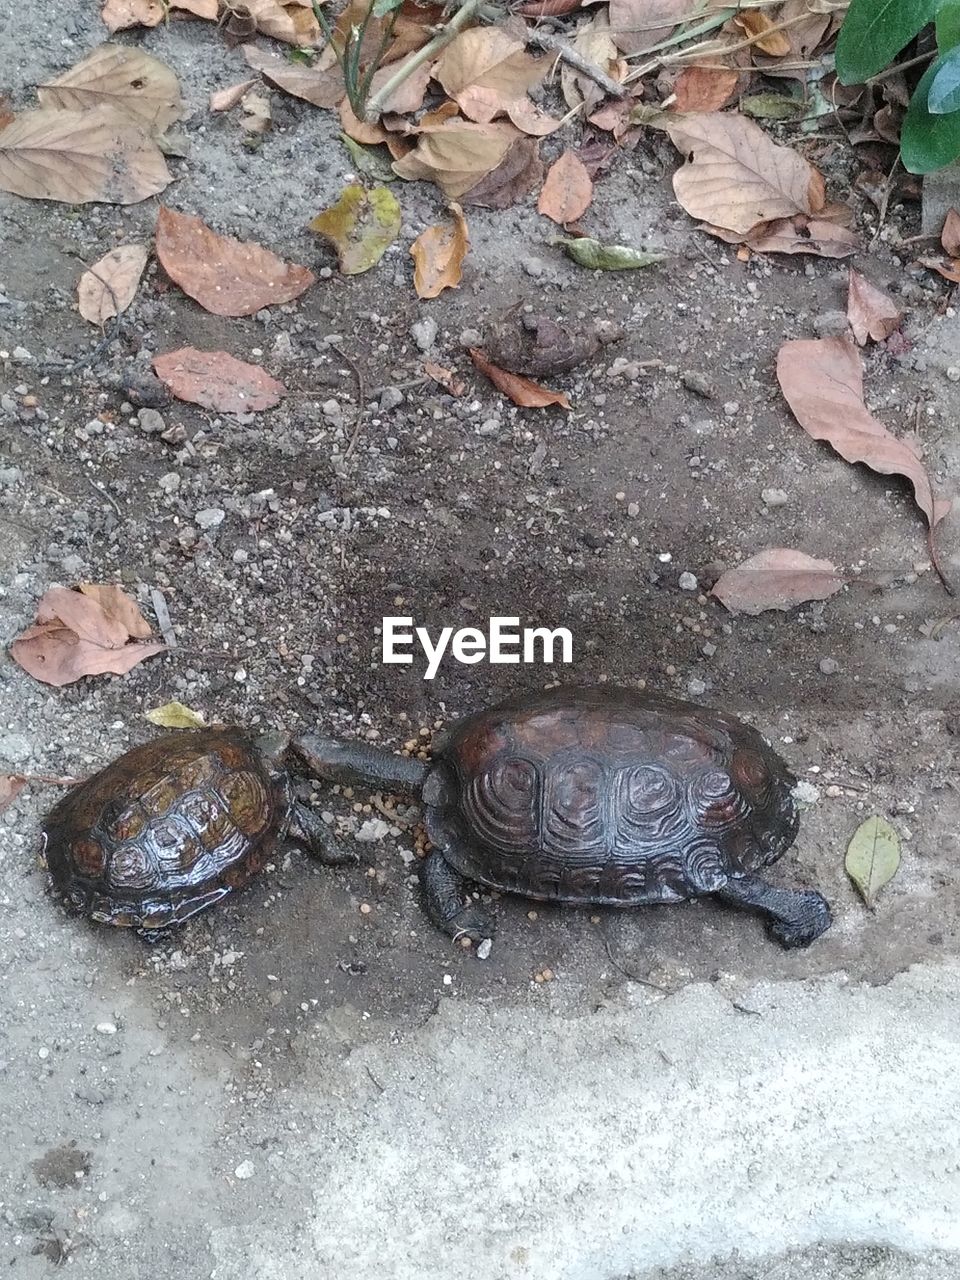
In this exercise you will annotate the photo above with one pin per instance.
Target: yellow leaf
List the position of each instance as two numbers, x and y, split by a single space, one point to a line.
438 255
361 226
174 715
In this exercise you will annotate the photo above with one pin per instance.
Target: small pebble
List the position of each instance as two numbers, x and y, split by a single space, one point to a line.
424 332
484 949
953 373
245 1169
390 398
696 687
107 1028
774 497
151 421
210 517
532 266
687 582
829 666
699 383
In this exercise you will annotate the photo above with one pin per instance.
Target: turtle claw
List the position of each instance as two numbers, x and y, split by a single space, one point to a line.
470 922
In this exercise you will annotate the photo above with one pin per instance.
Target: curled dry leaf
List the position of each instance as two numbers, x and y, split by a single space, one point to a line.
257 116
323 87
778 578
361 226
226 276
529 118
95 630
438 255
950 235
359 130
567 191
485 68
446 378
456 154
110 285
227 99
822 382
409 95
637 25
800 234
175 715
118 15
11 784
871 312
518 173
762 29
218 381
735 176
293 24
548 8
704 88
80 156
126 80
527 394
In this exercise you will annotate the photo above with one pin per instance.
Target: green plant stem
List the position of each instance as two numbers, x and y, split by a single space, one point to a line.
375 106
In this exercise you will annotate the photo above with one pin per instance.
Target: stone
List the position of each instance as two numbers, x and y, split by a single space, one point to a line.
774 497
829 666
424 332
687 582
210 517
151 421
390 398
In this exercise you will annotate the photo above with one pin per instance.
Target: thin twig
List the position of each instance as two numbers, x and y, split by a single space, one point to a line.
360 397
104 493
902 66
629 973
569 55
376 105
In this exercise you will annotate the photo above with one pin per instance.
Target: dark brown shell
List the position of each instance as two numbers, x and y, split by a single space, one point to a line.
532 344
166 830
609 797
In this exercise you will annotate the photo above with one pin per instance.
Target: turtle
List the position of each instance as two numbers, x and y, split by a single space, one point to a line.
525 341
174 825
596 796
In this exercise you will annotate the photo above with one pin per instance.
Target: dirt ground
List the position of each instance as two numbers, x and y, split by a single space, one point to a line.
206 1106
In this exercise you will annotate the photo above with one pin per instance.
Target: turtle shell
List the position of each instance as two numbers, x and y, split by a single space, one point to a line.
608 796
167 829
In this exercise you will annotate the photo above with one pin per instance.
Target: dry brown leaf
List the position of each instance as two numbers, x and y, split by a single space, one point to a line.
226 276
594 43
531 119
118 15
110 285
321 87
359 130
736 176
80 156
805 30
446 111
408 97
521 390
704 88
11 784
83 633
293 25
637 25
438 255
415 24
801 234
257 116
760 26
949 270
206 9
485 68
126 80
445 377
6 114
227 99
778 578
218 381
518 173
950 235
456 154
871 312
822 382
548 8
567 191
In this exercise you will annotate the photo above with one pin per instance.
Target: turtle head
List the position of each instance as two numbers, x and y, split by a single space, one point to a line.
272 747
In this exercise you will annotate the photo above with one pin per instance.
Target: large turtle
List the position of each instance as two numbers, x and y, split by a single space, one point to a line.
596 796
173 826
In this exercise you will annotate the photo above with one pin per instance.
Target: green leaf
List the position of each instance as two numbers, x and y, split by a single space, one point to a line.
382 7
361 225
948 26
771 106
927 141
174 715
303 57
374 162
606 257
874 32
944 95
873 857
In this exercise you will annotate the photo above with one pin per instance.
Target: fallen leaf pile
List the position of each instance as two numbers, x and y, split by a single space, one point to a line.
95 136
87 632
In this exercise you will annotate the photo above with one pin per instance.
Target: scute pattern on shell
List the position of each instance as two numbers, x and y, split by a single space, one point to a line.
610 796
166 829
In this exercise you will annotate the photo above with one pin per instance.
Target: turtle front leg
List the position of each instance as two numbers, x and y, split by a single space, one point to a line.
309 829
336 761
795 917
444 891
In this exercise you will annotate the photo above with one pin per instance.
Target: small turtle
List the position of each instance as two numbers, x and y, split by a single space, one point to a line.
596 796
173 826
526 342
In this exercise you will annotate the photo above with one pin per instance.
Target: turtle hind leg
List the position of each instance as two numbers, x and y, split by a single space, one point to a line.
795 917
308 829
444 892
337 761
